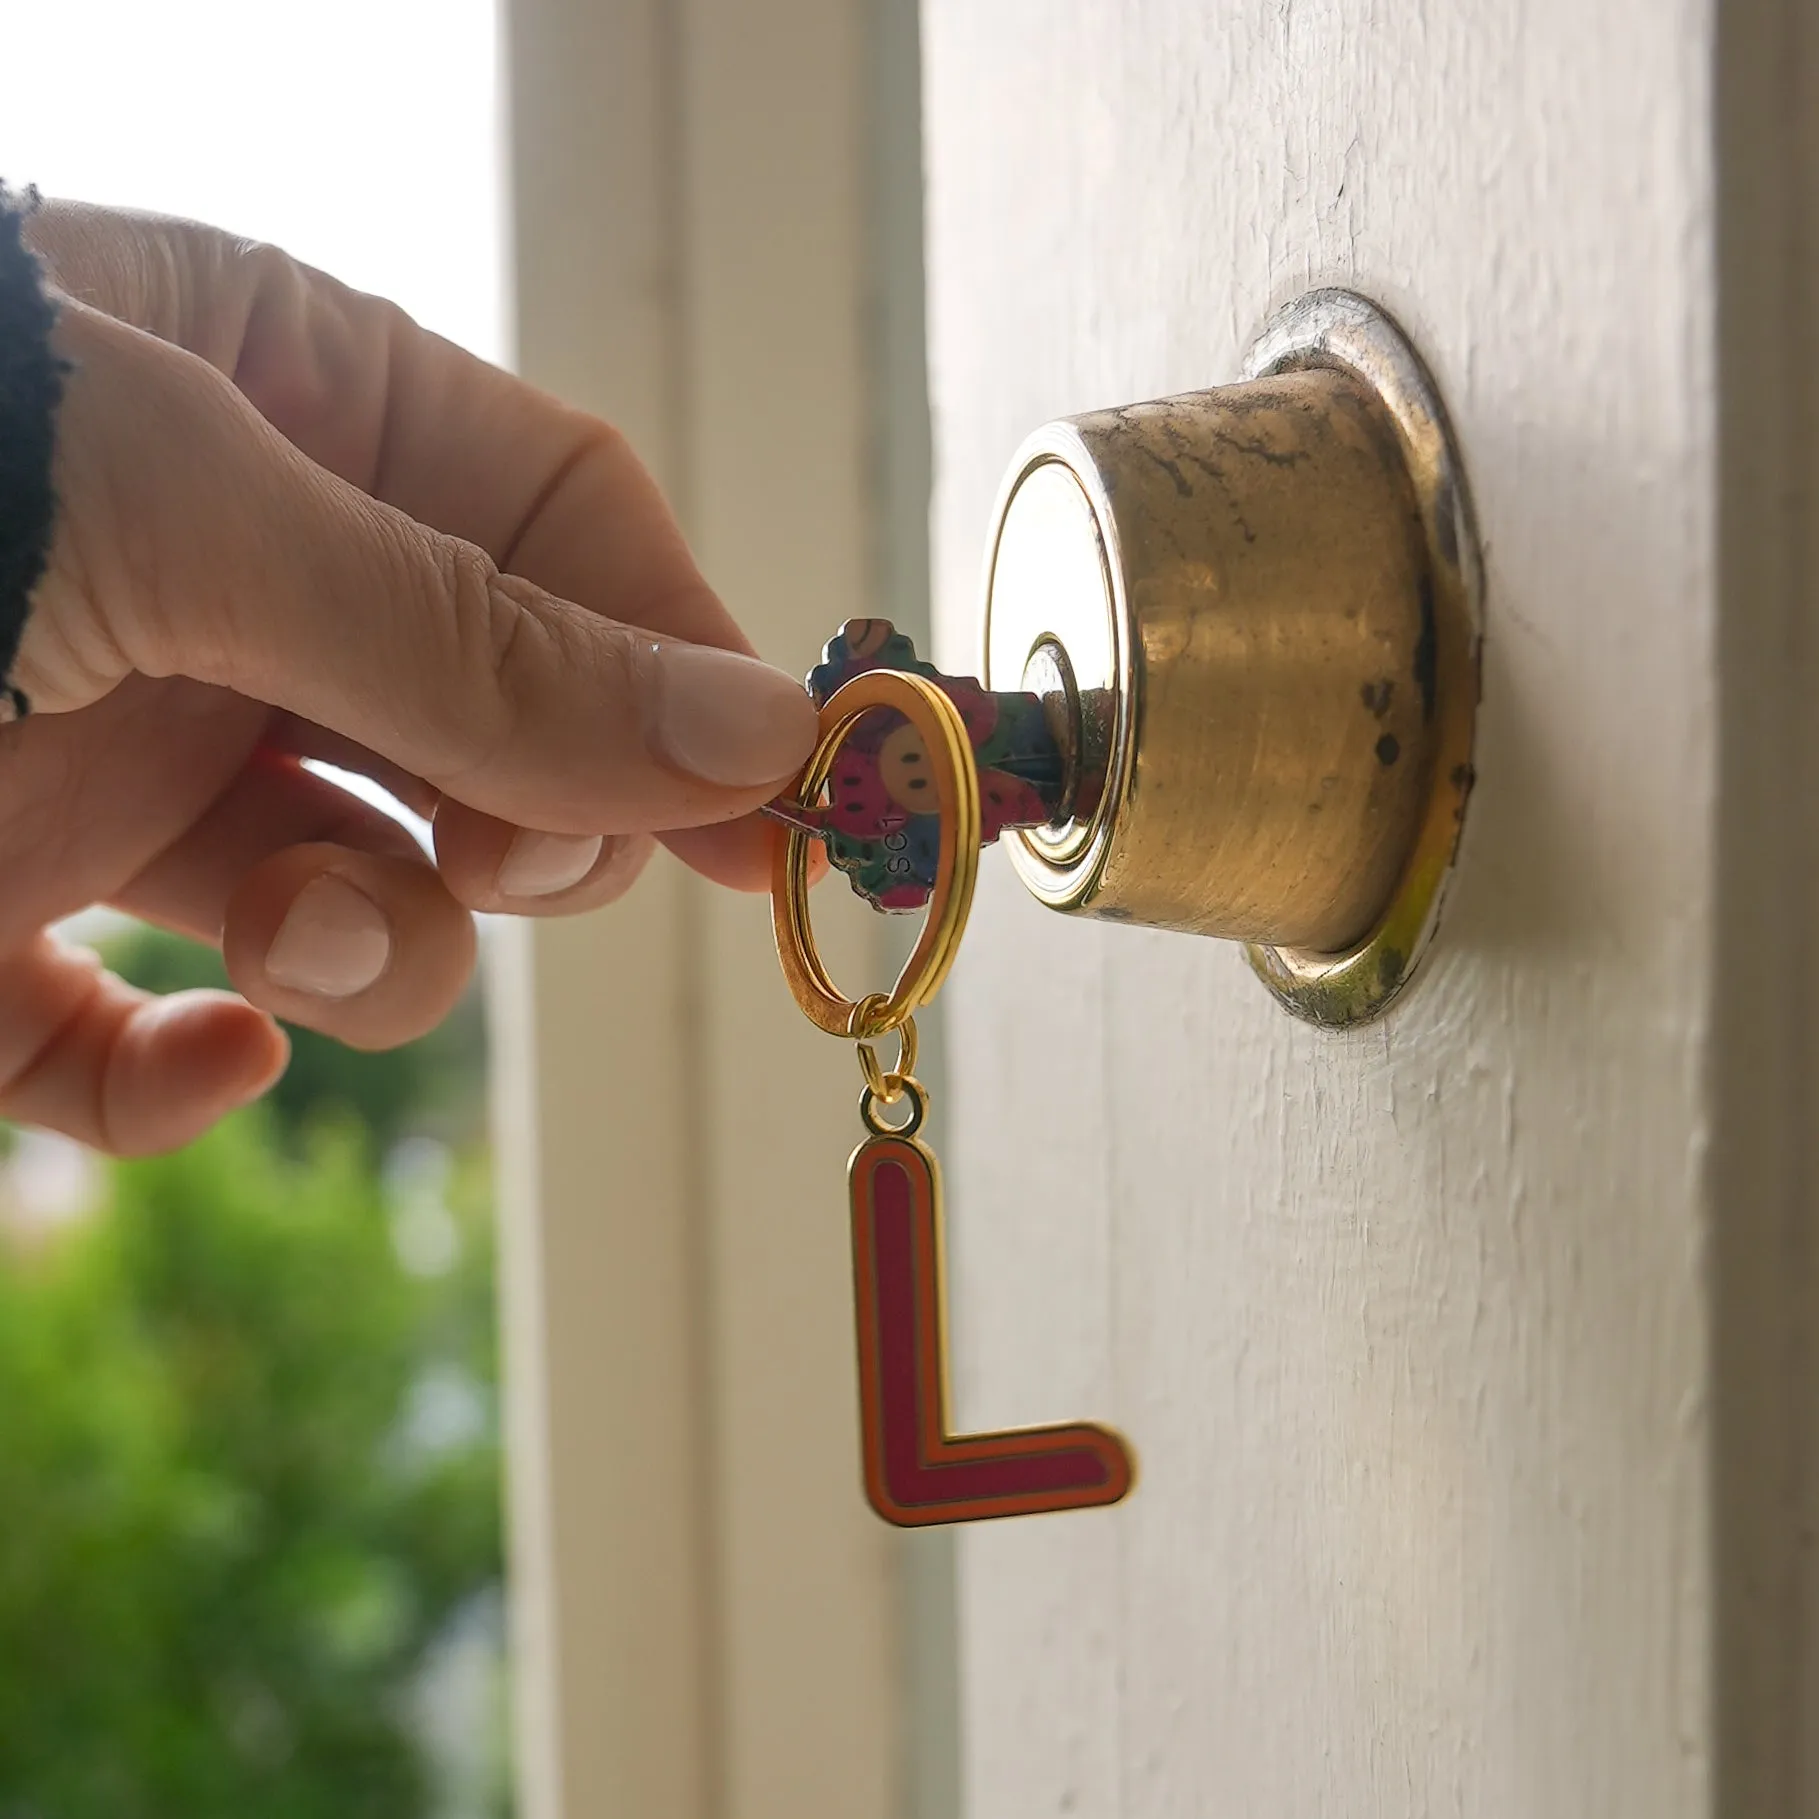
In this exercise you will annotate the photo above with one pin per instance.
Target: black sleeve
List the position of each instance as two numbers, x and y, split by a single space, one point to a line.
31 383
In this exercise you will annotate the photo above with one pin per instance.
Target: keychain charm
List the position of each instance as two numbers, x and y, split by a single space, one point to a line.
879 823
916 1471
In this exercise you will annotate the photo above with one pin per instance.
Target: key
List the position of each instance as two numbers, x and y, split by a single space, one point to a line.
877 823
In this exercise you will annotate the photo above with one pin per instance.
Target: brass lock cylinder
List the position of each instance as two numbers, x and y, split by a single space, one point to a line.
1251 615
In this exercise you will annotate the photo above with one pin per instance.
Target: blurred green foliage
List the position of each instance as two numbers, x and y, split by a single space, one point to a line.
249 1466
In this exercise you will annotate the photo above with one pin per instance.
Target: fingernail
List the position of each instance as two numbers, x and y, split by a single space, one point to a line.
335 941
540 865
725 718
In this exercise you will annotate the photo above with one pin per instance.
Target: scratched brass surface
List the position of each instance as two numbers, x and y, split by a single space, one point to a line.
1252 613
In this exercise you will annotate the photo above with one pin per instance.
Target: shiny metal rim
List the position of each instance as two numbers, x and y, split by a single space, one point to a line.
1337 328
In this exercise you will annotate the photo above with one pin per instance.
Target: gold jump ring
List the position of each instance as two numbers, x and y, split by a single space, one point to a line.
887 1085
918 1098
956 777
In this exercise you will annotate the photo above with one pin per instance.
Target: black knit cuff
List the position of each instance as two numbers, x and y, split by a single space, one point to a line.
31 385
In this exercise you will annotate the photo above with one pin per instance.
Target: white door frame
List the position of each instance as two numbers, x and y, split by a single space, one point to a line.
1479 1358
717 249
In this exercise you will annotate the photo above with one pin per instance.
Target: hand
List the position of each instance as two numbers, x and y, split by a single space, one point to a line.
292 524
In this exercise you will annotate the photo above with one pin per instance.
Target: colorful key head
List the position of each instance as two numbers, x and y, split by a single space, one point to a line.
874 822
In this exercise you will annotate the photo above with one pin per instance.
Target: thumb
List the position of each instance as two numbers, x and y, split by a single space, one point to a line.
194 540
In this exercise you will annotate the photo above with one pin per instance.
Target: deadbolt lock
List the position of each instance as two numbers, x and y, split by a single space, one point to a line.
1250 615
1230 671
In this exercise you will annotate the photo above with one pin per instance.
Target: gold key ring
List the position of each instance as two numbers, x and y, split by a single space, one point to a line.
950 753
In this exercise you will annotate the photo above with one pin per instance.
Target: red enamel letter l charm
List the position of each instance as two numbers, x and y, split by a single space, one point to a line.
916 1472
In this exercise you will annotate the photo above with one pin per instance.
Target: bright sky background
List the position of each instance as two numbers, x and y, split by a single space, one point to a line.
363 136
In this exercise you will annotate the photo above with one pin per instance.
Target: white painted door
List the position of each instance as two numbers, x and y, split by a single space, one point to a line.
1468 1355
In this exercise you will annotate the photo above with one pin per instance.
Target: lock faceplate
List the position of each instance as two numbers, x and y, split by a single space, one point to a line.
1251 614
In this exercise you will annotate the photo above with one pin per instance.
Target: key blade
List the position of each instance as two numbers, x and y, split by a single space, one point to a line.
792 814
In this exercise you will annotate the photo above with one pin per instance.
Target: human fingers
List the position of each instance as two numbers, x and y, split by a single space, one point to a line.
296 737
83 1053
364 947
272 805
734 853
493 865
195 540
275 804
322 905
549 492
471 848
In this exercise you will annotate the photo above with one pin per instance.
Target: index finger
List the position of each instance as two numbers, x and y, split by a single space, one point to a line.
547 491
550 493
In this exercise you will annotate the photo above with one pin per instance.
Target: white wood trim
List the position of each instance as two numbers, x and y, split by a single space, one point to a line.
1469 1357
707 1617
600 1274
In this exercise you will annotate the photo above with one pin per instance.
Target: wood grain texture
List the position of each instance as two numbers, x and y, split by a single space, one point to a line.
1411 1326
